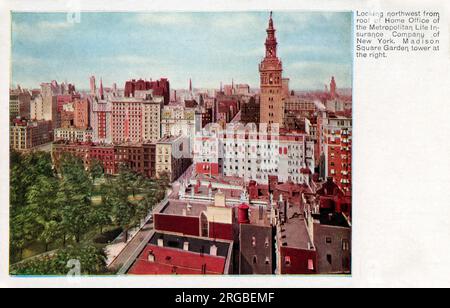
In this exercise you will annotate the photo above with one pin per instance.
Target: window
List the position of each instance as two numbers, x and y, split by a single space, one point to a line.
329 259
254 241
267 241
287 261
310 264
328 240
255 260
345 245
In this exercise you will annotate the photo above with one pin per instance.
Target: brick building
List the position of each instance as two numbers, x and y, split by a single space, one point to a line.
170 254
136 119
82 113
26 134
271 105
336 140
250 111
19 103
159 87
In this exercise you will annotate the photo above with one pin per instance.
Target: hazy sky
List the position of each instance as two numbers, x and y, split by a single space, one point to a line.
207 47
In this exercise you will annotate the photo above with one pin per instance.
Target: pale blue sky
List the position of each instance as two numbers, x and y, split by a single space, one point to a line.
209 47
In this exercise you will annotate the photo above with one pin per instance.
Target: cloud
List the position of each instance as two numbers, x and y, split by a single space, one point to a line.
26 61
39 31
129 59
163 19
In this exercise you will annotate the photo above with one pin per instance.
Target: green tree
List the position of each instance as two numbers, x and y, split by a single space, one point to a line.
43 208
92 262
96 170
126 213
101 216
74 197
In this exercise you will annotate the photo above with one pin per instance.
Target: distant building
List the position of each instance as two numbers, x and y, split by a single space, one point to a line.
177 120
82 113
101 120
44 108
19 103
26 134
136 119
336 140
253 155
159 87
140 158
73 134
171 157
250 111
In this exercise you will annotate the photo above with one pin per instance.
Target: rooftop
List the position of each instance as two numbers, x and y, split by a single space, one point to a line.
173 254
294 232
179 207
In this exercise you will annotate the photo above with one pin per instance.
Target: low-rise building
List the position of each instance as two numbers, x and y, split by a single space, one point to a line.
27 134
73 134
171 254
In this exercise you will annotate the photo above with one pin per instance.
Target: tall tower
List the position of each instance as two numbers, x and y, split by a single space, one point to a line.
333 88
92 85
270 70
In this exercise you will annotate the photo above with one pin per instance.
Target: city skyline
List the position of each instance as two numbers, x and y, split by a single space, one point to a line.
116 47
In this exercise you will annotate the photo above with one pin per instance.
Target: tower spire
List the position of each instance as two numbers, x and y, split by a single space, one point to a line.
271 40
101 89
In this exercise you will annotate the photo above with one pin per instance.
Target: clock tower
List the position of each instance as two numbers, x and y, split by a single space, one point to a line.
270 70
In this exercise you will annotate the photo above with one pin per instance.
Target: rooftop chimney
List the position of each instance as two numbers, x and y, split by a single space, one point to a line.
186 246
243 216
151 256
160 242
213 250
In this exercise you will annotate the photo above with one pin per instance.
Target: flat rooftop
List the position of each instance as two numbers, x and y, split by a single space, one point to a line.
174 254
177 207
294 232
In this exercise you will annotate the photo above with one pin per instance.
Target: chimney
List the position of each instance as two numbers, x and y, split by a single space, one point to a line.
151 256
243 217
184 212
160 242
213 250
186 246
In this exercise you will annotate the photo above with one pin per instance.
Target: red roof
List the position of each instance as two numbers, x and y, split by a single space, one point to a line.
176 261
